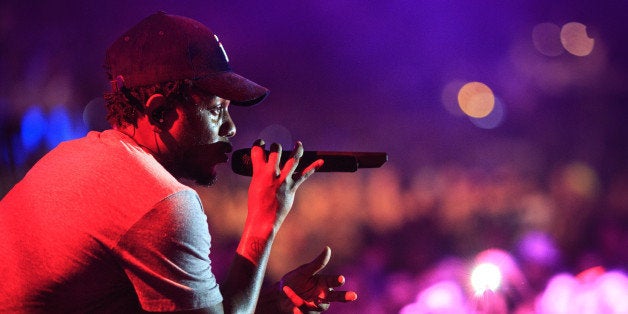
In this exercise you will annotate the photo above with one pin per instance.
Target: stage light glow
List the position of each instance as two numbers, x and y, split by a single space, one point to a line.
476 99
546 39
442 297
539 247
33 128
485 276
493 119
597 292
580 179
60 127
575 39
558 295
613 290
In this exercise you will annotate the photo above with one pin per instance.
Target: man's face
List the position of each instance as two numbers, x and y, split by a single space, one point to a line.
198 137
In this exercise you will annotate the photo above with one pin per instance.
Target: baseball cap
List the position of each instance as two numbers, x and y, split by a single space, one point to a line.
164 47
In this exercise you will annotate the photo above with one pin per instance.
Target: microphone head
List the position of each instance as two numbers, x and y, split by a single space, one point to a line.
241 162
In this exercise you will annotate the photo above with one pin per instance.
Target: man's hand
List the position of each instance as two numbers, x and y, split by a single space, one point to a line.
273 188
307 291
271 195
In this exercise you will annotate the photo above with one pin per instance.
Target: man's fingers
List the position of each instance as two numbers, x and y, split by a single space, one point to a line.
341 296
333 281
293 162
273 157
260 160
311 168
257 153
331 296
318 263
294 298
300 177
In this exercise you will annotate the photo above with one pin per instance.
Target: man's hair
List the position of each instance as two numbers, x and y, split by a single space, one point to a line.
124 104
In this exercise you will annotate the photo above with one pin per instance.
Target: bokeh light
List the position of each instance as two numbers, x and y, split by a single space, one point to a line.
441 297
546 39
613 290
493 119
278 134
567 294
485 276
94 115
551 40
538 247
580 179
575 39
557 295
476 99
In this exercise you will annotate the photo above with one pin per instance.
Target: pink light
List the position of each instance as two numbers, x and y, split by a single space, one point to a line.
559 292
595 293
442 297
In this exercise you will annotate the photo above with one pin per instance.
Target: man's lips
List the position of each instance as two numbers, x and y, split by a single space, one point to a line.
213 153
225 148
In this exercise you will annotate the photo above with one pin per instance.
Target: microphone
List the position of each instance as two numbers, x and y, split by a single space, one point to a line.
334 161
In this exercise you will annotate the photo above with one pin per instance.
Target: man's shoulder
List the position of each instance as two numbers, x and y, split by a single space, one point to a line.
108 165
116 156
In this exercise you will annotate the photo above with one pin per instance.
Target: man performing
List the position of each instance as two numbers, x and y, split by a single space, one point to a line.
101 224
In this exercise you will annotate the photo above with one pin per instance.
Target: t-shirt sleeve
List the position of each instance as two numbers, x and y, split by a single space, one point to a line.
166 256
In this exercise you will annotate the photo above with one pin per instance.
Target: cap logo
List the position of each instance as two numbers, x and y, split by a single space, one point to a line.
224 53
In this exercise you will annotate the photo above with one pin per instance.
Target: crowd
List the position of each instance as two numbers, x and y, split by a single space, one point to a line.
395 239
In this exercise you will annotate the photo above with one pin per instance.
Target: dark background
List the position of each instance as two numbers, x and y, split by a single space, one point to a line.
373 76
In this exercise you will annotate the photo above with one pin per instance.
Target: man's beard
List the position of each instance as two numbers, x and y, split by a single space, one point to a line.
205 179
201 172
198 163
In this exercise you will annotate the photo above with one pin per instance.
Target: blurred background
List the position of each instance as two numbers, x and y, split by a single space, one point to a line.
505 124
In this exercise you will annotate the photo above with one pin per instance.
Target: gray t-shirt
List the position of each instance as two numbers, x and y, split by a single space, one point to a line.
98 225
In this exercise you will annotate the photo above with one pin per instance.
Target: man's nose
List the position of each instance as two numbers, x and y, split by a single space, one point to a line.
228 128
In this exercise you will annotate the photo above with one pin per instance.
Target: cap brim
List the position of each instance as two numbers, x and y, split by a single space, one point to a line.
238 89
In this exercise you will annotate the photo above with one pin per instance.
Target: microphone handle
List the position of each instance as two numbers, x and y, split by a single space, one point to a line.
334 161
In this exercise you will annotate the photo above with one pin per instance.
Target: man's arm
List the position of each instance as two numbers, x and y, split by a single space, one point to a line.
270 198
304 290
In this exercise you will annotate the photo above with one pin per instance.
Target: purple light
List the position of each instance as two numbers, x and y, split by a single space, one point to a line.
538 247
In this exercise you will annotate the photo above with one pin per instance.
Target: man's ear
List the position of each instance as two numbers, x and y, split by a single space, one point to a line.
155 110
